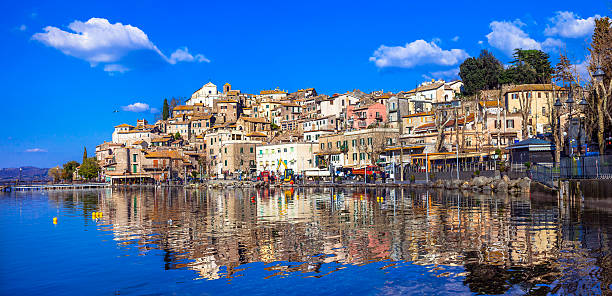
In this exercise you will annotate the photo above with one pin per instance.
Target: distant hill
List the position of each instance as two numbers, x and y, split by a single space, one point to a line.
28 173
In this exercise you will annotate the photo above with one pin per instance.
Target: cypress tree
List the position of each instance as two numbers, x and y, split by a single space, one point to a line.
84 154
165 110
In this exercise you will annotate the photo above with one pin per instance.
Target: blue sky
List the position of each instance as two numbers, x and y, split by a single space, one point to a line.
60 89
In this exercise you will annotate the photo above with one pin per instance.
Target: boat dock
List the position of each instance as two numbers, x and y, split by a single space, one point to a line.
33 187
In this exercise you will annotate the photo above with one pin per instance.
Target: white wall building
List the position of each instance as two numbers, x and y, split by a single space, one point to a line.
205 95
297 156
335 105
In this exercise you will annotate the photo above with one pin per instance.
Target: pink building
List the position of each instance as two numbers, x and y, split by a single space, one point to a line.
365 115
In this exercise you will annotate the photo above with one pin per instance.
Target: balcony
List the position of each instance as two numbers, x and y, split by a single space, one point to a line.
150 167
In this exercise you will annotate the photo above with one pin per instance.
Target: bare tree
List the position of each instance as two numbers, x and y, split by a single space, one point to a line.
440 122
524 98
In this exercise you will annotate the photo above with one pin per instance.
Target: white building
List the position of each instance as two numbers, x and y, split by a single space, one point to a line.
333 106
297 156
205 95
128 134
322 123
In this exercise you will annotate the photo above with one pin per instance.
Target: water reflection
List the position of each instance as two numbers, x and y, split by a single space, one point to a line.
503 244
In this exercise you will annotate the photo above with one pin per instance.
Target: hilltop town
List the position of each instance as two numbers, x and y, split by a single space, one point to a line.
228 134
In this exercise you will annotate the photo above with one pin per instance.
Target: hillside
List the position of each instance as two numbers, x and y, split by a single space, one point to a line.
27 174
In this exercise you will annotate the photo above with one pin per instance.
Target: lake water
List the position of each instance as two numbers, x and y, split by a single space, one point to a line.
316 241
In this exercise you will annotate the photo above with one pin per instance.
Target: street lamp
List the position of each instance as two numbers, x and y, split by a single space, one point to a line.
599 74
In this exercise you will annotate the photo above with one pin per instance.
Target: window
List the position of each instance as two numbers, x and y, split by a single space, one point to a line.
354 156
225 162
241 150
543 110
134 168
251 150
338 144
361 156
329 145
285 150
134 157
510 123
370 141
354 142
225 150
361 141
322 146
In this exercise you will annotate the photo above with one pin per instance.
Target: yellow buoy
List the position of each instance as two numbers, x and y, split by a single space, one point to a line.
55 220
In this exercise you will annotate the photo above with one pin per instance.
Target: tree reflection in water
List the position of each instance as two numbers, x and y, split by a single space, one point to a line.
538 243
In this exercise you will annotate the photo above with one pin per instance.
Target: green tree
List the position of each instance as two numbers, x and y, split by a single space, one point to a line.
480 73
528 67
177 136
89 169
68 170
55 173
165 110
274 126
84 153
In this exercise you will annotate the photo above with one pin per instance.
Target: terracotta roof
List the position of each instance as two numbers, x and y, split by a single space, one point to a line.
254 119
228 101
425 126
534 87
489 104
273 91
430 86
164 154
256 134
124 125
419 114
182 107
163 139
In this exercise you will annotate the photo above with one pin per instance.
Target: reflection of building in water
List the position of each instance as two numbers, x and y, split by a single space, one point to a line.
214 232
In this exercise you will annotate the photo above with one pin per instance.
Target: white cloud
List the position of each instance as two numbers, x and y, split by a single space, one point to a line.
436 40
419 52
22 28
154 110
35 150
115 68
445 74
455 39
480 42
552 44
136 107
183 55
507 36
98 41
569 25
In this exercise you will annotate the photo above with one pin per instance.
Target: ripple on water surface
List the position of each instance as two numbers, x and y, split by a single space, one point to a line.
303 241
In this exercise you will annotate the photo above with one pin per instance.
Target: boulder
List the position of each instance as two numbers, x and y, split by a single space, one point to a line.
502 186
480 182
